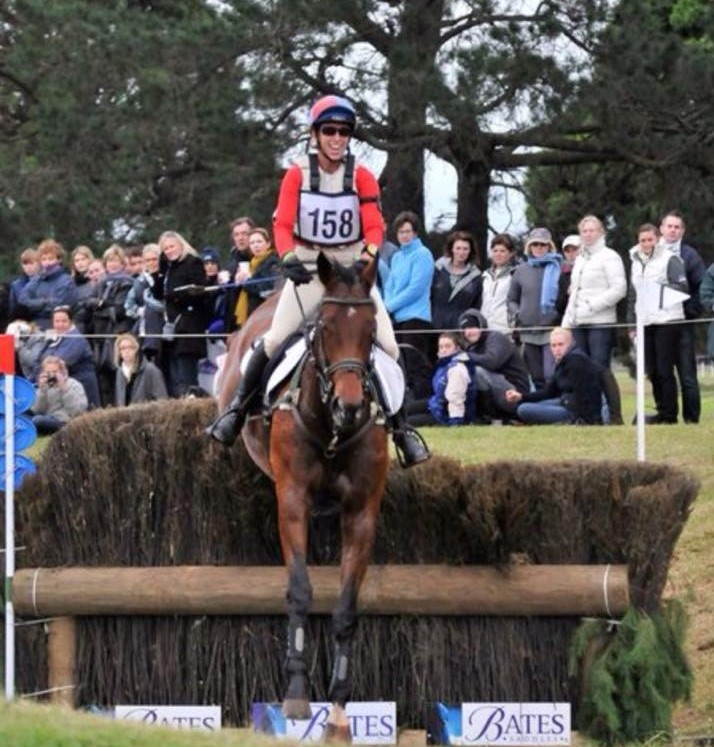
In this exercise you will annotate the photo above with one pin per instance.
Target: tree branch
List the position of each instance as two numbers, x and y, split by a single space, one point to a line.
18 84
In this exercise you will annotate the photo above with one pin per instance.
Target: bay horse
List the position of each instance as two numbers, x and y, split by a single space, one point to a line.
327 436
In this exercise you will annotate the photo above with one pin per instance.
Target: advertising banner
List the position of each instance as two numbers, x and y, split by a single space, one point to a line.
510 724
370 723
201 718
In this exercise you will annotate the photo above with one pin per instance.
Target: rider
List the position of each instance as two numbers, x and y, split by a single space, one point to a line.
330 203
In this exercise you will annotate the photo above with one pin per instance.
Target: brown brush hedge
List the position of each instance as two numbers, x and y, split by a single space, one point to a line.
143 486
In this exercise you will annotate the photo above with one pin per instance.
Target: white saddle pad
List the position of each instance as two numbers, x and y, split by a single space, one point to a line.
389 373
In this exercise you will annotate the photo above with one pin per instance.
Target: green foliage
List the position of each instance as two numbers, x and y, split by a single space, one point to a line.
650 93
694 20
121 119
633 674
125 119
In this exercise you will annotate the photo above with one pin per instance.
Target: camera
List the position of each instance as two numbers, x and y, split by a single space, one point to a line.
51 380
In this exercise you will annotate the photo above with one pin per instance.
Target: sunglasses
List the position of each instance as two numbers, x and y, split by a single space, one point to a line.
331 130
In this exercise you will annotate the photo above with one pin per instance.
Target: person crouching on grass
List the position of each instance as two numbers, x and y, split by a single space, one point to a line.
572 395
454 394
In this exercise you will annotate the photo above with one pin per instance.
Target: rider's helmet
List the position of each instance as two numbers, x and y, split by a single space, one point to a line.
332 109
472 318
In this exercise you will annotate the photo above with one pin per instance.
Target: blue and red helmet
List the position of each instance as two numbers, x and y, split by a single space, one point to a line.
332 109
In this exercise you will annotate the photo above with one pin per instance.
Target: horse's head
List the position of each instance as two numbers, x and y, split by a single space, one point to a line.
345 331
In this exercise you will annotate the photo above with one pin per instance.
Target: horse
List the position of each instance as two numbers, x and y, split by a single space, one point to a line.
326 436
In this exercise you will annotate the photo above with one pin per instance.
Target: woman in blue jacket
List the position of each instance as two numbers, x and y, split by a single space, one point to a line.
408 285
66 342
52 286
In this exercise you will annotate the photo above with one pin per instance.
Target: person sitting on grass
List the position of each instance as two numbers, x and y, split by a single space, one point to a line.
453 398
498 366
573 394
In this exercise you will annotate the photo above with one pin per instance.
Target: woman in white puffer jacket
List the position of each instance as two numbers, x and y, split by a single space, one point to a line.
654 264
597 283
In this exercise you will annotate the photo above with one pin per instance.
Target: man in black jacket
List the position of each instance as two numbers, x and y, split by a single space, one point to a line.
574 393
672 232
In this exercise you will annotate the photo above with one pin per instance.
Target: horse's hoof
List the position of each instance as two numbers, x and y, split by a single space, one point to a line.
337 734
297 708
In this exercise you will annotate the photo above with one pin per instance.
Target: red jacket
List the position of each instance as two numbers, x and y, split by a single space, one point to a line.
372 222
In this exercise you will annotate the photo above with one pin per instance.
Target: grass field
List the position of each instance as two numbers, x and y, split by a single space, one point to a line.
691 578
689 446
26 725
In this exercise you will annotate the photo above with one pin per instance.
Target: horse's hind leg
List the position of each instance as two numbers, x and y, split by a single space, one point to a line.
296 703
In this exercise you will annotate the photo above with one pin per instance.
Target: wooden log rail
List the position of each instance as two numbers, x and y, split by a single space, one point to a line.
522 590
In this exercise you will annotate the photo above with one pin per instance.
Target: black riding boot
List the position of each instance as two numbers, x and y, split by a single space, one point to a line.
411 447
226 427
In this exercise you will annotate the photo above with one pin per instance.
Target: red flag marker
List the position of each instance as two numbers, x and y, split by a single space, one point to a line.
7 354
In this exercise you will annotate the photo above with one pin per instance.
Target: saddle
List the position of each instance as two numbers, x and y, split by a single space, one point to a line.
386 374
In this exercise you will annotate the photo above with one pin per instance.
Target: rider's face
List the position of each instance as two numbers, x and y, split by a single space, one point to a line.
333 139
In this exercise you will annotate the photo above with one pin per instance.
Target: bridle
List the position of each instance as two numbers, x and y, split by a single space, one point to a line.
325 372
324 369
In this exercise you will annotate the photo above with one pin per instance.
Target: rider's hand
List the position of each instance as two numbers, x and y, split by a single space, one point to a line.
369 252
295 270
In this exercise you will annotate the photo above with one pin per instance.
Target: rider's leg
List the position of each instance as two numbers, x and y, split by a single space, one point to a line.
227 426
286 320
411 446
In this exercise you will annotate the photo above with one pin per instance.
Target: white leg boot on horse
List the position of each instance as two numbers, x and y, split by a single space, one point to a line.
296 703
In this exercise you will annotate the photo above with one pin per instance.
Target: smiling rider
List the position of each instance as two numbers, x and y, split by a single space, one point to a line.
327 202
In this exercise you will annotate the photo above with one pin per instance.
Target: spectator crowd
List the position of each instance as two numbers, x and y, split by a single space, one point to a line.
527 339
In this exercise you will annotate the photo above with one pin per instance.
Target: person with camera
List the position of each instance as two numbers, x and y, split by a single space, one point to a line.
59 397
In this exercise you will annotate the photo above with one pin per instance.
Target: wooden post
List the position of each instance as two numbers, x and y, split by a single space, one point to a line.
61 660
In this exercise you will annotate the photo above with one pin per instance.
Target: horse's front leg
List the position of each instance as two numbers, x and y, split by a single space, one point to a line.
293 522
296 703
358 530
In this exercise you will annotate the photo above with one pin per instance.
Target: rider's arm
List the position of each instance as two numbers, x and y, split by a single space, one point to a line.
369 208
286 211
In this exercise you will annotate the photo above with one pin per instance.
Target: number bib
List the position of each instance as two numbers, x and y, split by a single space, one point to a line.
327 219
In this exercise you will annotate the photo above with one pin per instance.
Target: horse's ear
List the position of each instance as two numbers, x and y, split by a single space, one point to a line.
369 271
324 268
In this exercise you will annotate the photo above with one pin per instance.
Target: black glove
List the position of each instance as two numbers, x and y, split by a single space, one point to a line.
295 270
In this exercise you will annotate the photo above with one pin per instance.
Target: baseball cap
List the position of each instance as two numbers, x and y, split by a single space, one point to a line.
209 254
572 240
473 318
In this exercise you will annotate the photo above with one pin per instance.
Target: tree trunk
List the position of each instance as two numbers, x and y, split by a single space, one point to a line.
412 57
474 183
